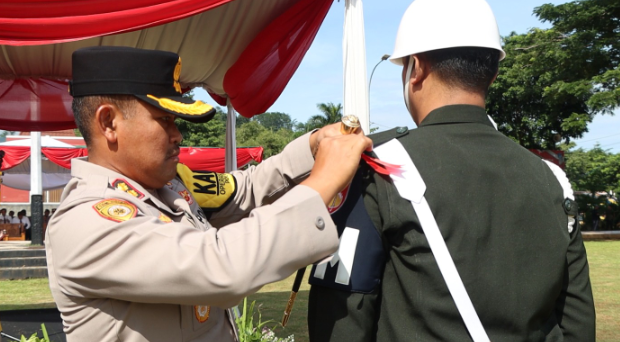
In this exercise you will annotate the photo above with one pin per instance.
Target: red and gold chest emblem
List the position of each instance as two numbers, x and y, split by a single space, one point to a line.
185 194
337 202
202 312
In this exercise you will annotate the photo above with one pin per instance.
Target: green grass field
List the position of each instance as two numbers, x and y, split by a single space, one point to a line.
604 258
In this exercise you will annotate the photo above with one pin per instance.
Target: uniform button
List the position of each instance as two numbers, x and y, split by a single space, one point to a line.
568 205
319 223
401 130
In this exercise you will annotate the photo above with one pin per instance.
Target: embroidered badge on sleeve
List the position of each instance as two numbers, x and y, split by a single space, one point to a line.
211 190
115 210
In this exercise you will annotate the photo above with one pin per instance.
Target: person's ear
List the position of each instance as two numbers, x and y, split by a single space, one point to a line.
494 78
419 71
107 117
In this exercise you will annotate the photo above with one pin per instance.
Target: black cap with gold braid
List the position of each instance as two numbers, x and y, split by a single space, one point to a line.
150 75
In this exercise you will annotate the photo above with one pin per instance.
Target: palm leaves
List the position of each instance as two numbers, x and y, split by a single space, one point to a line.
330 113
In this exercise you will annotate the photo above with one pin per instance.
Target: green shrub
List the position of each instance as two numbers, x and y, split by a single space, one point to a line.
259 332
35 336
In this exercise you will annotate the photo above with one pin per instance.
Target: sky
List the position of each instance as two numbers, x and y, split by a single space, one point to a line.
319 77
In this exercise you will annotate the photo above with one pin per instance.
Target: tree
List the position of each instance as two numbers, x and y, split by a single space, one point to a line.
241 120
210 134
254 134
595 170
330 113
554 81
275 121
3 134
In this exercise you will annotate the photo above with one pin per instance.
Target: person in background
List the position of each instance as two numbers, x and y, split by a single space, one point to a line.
596 217
3 217
23 222
141 247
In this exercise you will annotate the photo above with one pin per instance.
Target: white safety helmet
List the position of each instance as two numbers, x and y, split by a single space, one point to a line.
439 24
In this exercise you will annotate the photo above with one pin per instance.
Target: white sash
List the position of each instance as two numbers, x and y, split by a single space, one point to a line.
411 186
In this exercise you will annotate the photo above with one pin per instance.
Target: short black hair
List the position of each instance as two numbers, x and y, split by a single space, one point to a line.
468 68
84 108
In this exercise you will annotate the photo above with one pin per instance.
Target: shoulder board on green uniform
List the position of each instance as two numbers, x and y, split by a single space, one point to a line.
385 136
381 138
211 190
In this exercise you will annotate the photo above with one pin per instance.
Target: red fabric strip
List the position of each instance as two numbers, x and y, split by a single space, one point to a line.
381 166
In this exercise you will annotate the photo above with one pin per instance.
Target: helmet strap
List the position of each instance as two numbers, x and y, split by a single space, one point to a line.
407 78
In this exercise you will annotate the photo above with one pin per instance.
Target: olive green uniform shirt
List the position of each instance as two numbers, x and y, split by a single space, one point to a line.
501 212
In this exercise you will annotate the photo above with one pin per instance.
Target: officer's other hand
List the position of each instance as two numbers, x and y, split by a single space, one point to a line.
336 161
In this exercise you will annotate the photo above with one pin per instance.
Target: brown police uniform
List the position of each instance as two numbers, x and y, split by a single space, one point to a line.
126 264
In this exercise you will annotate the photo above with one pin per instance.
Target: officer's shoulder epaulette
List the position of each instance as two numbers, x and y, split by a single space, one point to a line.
385 136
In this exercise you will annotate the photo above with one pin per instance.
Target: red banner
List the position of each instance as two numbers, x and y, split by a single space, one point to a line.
196 158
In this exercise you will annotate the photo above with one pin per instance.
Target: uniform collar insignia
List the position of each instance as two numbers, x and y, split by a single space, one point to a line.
124 186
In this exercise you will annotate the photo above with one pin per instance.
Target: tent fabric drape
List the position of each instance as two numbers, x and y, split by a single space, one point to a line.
270 60
63 156
213 159
48 22
14 156
52 176
196 158
255 45
38 104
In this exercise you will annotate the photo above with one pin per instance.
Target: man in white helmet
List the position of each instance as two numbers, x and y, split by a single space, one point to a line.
507 262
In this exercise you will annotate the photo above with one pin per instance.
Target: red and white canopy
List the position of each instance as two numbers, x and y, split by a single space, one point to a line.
242 50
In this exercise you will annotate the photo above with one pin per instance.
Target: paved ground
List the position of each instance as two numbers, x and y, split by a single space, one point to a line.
9 245
27 322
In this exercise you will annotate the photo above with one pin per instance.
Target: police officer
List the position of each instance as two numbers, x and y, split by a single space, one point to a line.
513 264
141 247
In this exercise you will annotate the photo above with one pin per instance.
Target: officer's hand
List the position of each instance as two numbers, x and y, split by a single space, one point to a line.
336 161
326 132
